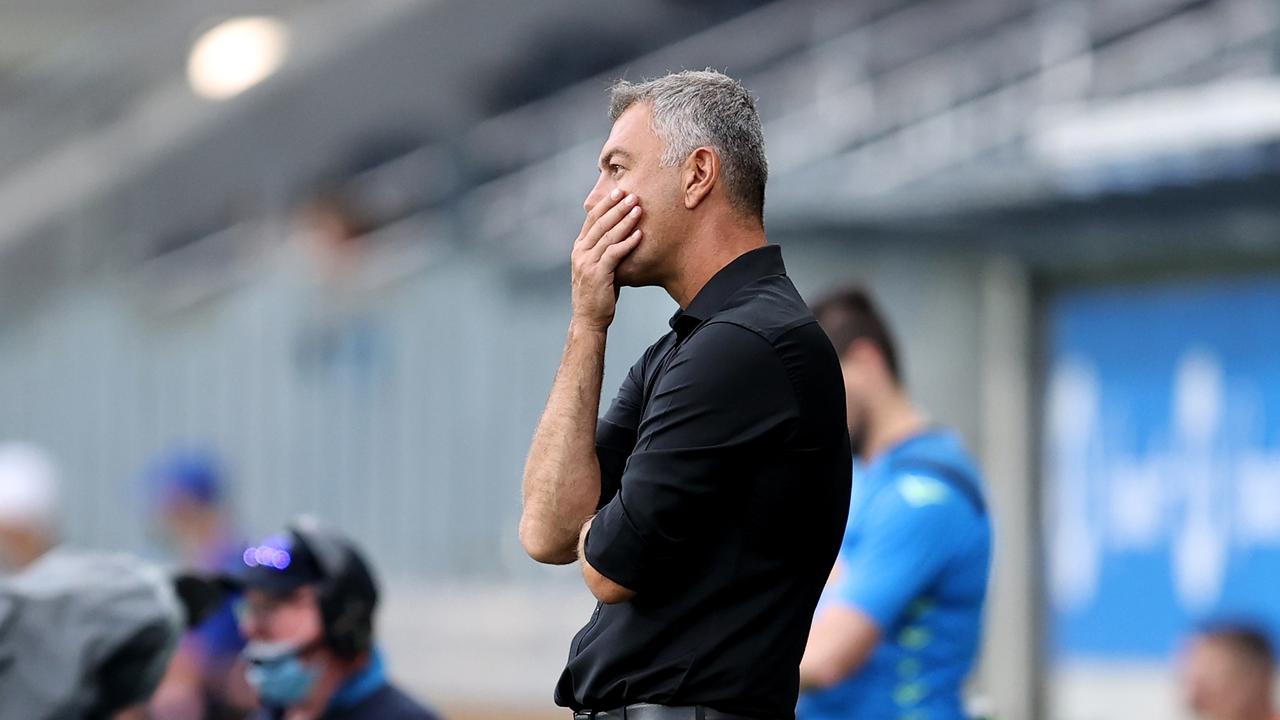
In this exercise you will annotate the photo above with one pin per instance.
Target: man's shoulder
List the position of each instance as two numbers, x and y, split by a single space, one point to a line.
926 485
939 453
390 703
769 306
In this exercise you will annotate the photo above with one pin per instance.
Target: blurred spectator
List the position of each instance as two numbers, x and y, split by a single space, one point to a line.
28 505
308 612
1228 673
86 634
342 335
189 504
335 235
367 223
898 627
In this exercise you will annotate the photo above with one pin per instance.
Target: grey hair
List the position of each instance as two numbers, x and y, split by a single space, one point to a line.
705 108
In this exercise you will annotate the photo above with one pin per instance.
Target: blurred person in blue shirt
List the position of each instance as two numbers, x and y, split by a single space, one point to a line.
188 501
307 607
898 627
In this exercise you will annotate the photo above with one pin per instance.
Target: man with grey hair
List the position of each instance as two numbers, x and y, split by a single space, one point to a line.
706 506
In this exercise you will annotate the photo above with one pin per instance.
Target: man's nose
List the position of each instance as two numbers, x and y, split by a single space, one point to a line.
596 195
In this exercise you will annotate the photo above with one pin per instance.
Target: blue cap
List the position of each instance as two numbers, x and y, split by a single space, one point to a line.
186 475
278 565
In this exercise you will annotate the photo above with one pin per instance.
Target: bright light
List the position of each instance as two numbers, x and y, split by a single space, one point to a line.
236 55
1229 113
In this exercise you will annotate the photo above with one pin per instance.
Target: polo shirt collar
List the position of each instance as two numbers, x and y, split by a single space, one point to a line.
747 267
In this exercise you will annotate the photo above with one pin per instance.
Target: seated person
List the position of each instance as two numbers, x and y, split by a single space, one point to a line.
307 611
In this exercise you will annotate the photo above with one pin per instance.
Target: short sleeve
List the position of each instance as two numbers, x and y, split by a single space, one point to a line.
724 390
905 537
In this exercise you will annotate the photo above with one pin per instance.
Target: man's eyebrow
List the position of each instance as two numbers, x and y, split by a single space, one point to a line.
612 154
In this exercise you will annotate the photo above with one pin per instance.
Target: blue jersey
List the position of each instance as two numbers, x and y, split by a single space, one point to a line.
915 559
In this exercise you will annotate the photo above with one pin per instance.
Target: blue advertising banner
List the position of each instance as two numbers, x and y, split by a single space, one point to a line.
1161 463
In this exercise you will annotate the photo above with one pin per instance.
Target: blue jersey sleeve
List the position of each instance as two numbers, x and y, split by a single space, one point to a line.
904 537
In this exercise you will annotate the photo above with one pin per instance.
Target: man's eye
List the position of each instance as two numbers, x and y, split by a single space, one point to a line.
615 169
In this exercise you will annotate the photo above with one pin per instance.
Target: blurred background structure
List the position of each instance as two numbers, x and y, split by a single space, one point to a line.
330 241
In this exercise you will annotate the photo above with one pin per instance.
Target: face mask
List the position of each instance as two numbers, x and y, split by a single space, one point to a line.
278 675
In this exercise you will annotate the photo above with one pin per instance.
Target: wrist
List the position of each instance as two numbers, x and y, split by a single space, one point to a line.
584 326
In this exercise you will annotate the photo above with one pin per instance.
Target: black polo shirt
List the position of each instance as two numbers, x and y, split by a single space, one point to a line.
725 472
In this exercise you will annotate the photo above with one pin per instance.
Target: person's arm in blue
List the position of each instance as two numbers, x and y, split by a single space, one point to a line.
904 540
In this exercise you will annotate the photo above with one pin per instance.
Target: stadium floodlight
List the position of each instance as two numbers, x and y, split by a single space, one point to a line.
1226 114
235 55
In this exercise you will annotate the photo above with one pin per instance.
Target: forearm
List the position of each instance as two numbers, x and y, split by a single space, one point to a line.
562 474
840 643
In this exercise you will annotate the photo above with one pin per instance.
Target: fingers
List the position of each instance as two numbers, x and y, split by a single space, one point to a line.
600 208
617 251
608 219
620 231
609 233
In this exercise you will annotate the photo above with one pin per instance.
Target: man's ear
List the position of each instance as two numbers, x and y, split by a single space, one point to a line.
700 173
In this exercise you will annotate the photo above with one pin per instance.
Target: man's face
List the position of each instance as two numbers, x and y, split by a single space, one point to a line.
178 517
632 161
1216 684
857 377
293 619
